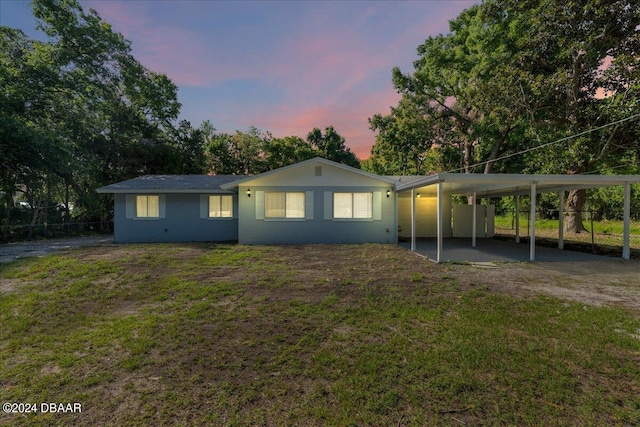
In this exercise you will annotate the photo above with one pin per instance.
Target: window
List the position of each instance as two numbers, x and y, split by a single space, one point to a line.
220 206
147 207
284 205
353 205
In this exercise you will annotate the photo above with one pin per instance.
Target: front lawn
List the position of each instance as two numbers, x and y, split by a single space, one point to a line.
205 334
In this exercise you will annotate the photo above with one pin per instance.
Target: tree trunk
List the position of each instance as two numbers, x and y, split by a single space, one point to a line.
467 155
573 211
10 205
495 150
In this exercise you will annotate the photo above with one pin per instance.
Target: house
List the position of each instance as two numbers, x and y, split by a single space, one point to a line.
315 201
174 208
320 201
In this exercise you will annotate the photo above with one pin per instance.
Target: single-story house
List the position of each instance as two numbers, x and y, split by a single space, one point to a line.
320 201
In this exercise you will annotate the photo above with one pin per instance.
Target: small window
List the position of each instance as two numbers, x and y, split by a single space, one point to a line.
147 206
220 206
353 205
284 205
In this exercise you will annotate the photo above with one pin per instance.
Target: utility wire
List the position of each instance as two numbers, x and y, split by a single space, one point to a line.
607 168
537 147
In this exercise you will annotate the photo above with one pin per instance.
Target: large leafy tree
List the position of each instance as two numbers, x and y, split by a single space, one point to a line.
279 152
237 154
332 146
513 75
589 67
254 151
78 110
455 100
189 142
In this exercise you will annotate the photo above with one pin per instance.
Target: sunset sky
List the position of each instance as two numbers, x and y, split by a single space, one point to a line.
281 66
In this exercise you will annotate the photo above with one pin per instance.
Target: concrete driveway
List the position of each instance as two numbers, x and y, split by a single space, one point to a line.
13 251
488 250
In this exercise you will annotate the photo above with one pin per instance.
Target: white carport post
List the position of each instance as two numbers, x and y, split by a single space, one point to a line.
626 252
413 219
518 219
439 209
561 220
473 227
532 224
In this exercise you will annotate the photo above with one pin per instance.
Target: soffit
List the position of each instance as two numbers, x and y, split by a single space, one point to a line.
496 185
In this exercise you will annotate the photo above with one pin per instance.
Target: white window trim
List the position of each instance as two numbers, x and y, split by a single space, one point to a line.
305 206
376 208
220 198
204 208
131 209
352 196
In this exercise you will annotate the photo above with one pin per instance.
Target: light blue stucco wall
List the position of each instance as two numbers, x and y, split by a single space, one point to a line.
318 229
182 223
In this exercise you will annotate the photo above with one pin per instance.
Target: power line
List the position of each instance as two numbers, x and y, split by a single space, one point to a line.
608 168
537 147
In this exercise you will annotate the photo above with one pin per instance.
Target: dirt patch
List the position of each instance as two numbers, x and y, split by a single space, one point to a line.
264 328
615 282
12 251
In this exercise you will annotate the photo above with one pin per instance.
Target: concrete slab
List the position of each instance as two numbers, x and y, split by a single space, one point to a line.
488 250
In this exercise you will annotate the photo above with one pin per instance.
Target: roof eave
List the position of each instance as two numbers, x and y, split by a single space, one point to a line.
106 190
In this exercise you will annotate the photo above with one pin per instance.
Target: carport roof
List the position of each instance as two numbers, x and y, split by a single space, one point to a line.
496 185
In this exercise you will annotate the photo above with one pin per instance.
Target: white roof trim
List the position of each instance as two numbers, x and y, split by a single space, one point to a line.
510 184
165 191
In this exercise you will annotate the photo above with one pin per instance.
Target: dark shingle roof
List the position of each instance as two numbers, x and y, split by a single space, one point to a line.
172 184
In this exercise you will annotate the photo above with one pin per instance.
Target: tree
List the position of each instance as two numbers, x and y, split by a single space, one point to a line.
279 152
404 144
588 67
237 154
78 109
331 146
451 101
512 75
254 151
190 144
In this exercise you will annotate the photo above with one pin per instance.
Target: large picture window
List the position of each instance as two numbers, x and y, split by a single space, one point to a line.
353 205
220 206
148 206
284 205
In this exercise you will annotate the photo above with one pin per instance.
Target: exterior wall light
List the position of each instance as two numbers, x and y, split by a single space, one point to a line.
388 193
418 195
248 192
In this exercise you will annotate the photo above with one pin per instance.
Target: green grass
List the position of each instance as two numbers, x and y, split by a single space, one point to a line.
600 227
606 238
317 335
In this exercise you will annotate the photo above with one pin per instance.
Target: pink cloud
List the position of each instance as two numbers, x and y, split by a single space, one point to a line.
126 15
325 73
317 54
180 53
171 50
350 120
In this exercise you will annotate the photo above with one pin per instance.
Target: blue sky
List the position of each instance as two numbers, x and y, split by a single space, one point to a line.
282 66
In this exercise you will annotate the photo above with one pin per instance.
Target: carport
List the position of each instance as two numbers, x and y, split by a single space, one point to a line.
489 250
443 186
